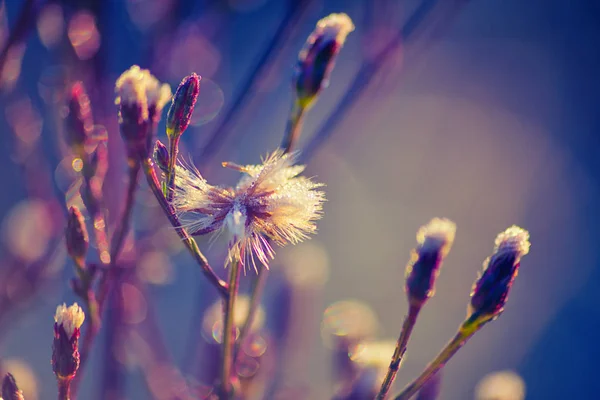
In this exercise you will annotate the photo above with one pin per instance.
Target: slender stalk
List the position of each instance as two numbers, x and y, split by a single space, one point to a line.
64 388
294 127
407 327
189 242
465 332
229 331
173 150
117 243
258 286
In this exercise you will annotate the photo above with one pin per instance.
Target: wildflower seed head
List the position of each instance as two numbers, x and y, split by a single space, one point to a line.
182 105
490 291
316 60
434 242
76 235
161 156
10 390
65 352
79 123
270 204
140 100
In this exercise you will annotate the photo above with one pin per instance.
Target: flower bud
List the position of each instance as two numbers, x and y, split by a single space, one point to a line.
317 58
161 156
140 99
65 352
434 242
10 391
182 105
76 235
490 291
79 123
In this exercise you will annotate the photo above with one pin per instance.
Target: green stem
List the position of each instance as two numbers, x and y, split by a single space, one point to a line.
173 151
256 293
465 332
229 331
294 127
407 327
188 241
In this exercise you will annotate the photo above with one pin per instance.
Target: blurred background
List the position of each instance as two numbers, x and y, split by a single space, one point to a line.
482 111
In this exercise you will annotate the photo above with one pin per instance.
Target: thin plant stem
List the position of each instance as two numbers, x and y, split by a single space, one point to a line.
258 286
173 151
465 332
25 23
407 327
294 127
64 388
188 241
117 243
229 331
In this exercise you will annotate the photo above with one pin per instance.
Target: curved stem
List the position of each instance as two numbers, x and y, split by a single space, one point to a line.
465 332
407 327
294 127
188 241
256 293
229 331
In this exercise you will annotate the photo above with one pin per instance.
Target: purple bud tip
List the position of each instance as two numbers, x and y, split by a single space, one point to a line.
76 235
434 242
161 156
78 122
182 105
10 390
490 291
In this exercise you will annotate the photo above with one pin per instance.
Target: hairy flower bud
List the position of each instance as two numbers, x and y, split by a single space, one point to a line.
490 291
161 156
317 58
76 235
65 352
182 105
434 242
10 390
79 123
140 99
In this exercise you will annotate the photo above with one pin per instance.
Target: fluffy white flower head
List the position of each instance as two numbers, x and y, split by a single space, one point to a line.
513 240
139 87
70 318
270 203
437 235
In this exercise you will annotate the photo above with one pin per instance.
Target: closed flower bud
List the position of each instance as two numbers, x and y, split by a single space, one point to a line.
182 105
434 242
10 391
65 352
79 123
76 235
490 291
161 156
317 58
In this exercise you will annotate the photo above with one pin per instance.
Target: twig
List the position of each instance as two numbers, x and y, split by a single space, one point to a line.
189 241
229 331
407 327
465 332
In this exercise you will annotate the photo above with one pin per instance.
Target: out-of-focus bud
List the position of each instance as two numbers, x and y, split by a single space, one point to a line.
140 99
434 242
490 291
182 105
65 352
76 236
161 156
79 123
10 390
317 58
